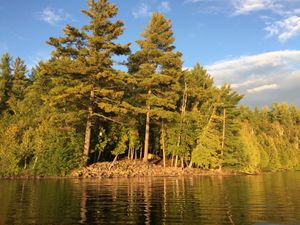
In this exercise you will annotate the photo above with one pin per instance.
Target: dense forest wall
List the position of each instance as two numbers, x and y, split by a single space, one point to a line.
76 108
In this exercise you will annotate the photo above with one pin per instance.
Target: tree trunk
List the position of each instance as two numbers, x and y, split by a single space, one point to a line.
182 162
113 162
99 155
141 153
88 128
147 130
35 161
146 146
176 161
129 153
132 153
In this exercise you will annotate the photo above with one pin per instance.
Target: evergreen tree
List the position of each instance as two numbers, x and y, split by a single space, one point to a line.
18 84
81 67
5 81
156 68
232 151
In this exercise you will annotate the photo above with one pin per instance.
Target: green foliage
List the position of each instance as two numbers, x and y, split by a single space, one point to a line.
78 105
271 137
9 151
5 80
18 84
56 151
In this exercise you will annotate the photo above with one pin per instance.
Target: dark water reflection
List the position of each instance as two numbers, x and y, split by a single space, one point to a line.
272 198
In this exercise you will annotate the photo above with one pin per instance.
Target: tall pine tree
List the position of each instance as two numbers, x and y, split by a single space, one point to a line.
156 68
81 68
5 80
18 84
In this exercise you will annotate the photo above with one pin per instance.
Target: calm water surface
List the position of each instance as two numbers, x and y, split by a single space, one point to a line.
265 199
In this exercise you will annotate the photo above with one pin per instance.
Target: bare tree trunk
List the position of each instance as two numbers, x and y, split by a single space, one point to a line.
147 130
35 161
141 153
176 161
99 155
113 162
182 162
88 128
129 153
132 153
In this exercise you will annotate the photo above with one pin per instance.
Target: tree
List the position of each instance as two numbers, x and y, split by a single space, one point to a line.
18 84
156 68
81 68
232 151
5 80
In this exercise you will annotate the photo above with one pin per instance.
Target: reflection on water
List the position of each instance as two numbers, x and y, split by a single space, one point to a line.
272 198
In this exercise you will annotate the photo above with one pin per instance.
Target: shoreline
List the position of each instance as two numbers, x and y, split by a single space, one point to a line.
131 169
137 168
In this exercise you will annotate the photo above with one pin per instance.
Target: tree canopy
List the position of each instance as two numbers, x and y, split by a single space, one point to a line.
77 108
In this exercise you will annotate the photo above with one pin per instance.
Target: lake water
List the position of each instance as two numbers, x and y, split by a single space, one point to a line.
263 199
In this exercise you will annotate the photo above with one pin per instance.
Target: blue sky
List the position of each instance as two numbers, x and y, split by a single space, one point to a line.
252 44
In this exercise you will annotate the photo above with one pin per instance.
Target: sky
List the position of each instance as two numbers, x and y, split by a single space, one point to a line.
254 45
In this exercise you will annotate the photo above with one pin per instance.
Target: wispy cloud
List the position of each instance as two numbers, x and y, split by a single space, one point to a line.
248 6
263 88
284 29
142 10
164 6
146 7
265 78
52 16
281 17
192 1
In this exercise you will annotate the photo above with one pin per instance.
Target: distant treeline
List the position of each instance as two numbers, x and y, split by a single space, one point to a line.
76 108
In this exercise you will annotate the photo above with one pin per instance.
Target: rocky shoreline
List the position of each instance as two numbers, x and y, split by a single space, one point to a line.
137 168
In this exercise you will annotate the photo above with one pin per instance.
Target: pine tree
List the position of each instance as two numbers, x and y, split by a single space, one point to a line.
81 67
5 81
232 153
156 68
18 84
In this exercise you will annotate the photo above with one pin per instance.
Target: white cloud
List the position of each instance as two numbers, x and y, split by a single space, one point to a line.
146 7
165 6
247 6
281 17
265 78
192 1
142 10
284 29
53 17
263 88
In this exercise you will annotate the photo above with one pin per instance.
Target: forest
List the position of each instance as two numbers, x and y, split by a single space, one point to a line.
78 108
